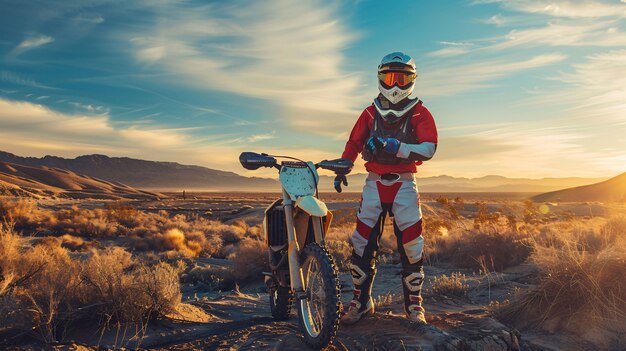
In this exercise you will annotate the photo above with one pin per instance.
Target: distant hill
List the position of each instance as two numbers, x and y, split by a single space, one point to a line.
39 181
612 190
146 174
492 183
175 177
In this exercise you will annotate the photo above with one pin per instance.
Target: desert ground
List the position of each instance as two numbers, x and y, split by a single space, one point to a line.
503 273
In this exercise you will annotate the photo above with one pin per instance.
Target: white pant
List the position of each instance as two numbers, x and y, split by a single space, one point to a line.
401 200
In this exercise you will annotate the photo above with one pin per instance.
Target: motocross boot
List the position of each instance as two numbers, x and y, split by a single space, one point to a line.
363 272
412 280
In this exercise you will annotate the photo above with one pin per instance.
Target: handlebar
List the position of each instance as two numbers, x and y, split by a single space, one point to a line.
253 160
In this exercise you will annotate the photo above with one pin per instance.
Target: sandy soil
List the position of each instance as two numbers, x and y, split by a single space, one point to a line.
241 321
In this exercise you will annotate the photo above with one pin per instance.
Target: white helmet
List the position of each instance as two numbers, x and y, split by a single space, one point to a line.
396 76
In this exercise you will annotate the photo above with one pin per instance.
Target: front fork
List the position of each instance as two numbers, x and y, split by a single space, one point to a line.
293 249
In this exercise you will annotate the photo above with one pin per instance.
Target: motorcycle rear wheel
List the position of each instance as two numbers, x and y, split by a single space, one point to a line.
281 299
318 311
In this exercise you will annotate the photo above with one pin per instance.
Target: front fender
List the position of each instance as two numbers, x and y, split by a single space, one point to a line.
312 205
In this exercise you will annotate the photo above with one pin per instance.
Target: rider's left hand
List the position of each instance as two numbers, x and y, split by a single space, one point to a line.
390 145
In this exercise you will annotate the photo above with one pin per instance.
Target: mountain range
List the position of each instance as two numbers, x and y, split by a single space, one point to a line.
43 181
172 176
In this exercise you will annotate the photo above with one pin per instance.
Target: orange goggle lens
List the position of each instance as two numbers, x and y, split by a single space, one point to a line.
400 78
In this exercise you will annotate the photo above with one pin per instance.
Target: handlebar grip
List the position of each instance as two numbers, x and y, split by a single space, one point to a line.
252 160
341 166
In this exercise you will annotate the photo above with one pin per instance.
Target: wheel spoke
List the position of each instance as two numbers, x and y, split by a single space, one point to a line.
316 284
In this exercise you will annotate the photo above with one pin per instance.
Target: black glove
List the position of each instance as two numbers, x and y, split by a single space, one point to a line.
340 179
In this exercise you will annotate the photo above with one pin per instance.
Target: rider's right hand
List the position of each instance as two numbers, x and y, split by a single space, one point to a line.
338 180
374 143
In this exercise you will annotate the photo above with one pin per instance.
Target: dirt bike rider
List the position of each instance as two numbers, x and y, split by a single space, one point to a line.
395 135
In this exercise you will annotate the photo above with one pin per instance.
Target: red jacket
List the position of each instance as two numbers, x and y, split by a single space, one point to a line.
425 131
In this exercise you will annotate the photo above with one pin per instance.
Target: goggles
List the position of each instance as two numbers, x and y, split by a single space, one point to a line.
402 79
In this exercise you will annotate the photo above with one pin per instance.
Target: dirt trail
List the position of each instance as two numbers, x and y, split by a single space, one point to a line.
242 321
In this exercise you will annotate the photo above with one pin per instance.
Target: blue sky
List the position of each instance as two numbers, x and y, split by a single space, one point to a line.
517 88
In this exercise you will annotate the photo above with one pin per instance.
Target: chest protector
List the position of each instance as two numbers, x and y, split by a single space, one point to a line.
402 129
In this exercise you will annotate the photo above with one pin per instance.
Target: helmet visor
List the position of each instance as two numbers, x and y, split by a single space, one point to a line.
401 79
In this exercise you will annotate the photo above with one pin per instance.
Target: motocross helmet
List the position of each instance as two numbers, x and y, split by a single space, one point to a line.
396 76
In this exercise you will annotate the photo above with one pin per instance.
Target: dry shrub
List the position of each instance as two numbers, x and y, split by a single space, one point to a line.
613 230
250 259
230 233
122 213
177 235
41 286
72 243
24 214
43 290
490 251
213 246
580 285
573 287
341 252
174 239
130 291
338 243
454 284
209 278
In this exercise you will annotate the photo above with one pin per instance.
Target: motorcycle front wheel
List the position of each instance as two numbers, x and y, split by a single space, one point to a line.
318 310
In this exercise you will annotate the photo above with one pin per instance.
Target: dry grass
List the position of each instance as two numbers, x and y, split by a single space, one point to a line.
580 286
490 250
455 284
44 290
387 299
338 242
178 235
250 260
580 260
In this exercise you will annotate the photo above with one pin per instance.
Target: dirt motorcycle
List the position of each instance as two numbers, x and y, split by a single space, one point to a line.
301 268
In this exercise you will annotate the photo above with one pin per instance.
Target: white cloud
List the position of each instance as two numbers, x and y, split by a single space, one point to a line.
13 78
452 49
595 89
89 19
589 33
289 53
148 53
452 79
258 137
31 43
89 108
497 20
456 43
563 8
30 129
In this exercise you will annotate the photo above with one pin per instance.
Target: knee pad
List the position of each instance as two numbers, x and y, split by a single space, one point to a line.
414 249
